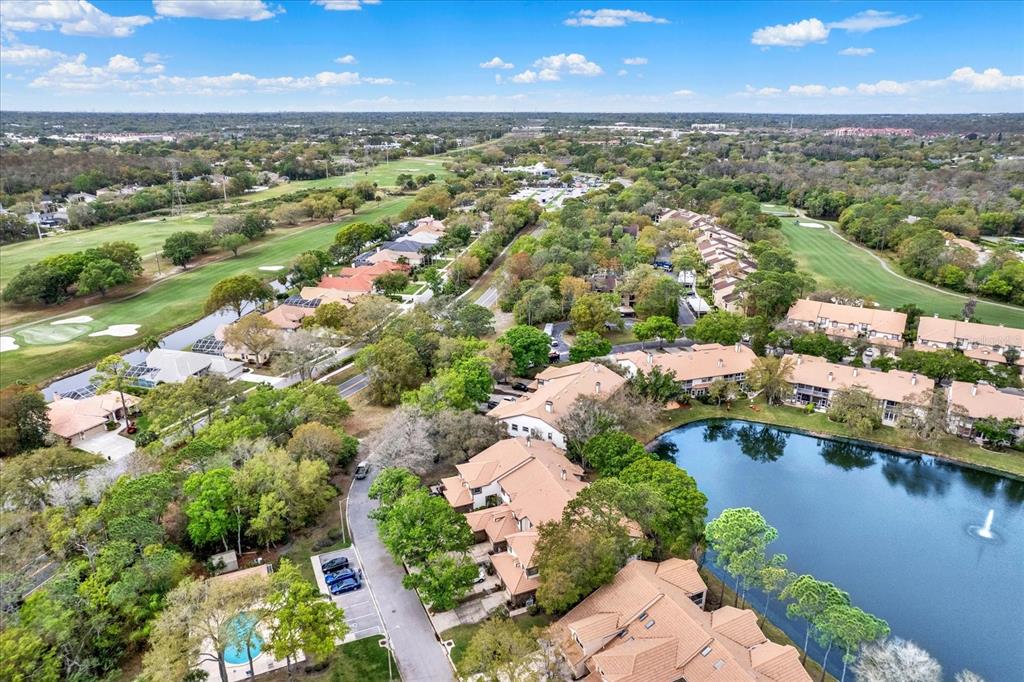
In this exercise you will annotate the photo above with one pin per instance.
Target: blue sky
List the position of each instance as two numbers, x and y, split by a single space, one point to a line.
360 55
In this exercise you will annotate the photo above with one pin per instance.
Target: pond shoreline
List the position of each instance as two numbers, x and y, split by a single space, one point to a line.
690 415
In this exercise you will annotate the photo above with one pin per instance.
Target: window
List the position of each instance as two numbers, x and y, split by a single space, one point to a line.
515 427
476 491
550 436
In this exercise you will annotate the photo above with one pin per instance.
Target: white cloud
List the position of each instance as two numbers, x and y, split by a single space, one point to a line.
124 74
72 17
152 58
635 61
575 64
611 18
28 55
869 20
251 10
121 64
346 59
885 87
987 80
683 93
857 52
622 72
791 35
345 5
808 90
496 63
527 76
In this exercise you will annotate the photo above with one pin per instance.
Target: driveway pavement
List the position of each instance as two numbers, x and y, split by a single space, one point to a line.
111 445
421 658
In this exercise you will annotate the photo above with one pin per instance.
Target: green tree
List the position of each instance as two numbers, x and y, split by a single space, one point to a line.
678 522
719 326
656 385
101 275
589 345
28 478
233 242
591 312
314 440
392 366
857 408
255 336
443 580
391 484
611 452
181 247
739 538
529 345
721 391
656 327
499 650
211 507
24 419
463 386
808 599
419 525
233 293
391 283
302 619
850 628
771 376
113 374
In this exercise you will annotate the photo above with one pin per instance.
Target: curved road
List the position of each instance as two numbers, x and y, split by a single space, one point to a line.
421 658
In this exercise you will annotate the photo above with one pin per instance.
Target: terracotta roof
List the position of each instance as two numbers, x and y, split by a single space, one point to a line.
982 354
288 316
457 494
984 400
894 385
512 574
560 386
681 574
328 295
379 268
523 545
68 417
641 628
937 329
883 321
700 362
359 284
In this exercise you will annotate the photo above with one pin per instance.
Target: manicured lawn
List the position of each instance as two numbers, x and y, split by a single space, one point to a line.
168 304
461 634
362 660
948 447
383 175
837 263
148 235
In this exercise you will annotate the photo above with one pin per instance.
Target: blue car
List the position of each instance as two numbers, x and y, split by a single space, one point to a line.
345 574
346 585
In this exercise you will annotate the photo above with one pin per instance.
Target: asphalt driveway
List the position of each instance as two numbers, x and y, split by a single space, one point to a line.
421 658
359 605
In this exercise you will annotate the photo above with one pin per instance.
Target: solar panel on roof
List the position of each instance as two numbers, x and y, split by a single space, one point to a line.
300 302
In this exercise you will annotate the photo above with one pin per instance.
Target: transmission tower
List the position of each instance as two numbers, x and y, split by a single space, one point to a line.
177 194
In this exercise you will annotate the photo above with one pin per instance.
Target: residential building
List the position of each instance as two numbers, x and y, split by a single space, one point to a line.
554 392
164 366
880 328
78 420
815 381
649 624
969 403
696 367
507 491
985 343
288 317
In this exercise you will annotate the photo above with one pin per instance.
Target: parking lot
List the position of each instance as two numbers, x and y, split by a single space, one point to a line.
360 607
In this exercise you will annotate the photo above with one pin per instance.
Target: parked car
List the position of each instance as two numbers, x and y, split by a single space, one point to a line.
346 585
335 564
362 469
481 576
491 404
519 386
338 576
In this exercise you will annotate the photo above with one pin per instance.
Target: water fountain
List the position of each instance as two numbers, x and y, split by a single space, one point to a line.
985 531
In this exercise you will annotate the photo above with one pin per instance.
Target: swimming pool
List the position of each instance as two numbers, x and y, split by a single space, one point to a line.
243 629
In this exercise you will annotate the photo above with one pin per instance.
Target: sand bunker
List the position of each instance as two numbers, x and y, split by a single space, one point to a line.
271 268
7 343
810 225
81 319
150 220
119 330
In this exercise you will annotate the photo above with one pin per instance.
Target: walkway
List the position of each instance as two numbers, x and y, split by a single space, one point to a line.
420 656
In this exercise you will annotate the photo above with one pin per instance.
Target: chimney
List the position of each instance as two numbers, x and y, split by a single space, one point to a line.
830 377
737 347
721 362
529 439
799 359
913 379
597 387
548 406
563 474
974 389
854 371
650 358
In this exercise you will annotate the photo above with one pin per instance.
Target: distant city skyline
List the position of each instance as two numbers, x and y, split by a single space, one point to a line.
389 55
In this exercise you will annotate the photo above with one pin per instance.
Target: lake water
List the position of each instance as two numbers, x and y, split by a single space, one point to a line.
893 531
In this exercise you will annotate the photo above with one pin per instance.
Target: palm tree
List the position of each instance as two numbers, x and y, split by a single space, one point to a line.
771 375
151 342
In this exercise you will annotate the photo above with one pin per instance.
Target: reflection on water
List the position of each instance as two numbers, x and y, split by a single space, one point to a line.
889 529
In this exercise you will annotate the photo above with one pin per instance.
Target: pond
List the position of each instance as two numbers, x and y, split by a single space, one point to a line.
901 534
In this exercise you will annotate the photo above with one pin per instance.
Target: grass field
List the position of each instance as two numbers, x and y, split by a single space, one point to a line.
383 175
148 235
837 263
166 305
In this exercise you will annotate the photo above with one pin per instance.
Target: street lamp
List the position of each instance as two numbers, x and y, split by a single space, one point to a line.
385 643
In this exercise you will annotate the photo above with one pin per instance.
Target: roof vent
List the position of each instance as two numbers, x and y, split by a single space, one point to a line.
854 371
705 651
649 624
721 362
597 387
548 406
831 376
913 379
719 664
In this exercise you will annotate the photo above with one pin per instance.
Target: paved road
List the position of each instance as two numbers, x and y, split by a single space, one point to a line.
350 387
420 656
488 298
